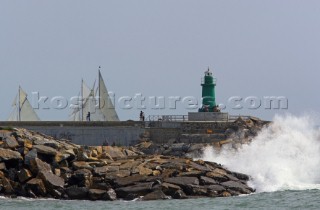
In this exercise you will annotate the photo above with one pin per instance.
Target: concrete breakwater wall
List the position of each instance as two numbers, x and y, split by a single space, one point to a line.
127 133
86 133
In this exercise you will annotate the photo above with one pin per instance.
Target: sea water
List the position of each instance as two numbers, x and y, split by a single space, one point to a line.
283 162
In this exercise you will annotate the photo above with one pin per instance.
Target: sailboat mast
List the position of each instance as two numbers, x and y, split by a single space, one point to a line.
99 88
19 108
81 106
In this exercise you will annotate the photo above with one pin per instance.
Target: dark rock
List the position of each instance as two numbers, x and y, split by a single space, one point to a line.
32 154
100 185
139 189
97 194
192 173
31 194
37 187
5 183
179 194
37 165
237 186
195 190
24 175
241 176
12 174
207 181
215 191
216 188
82 177
170 189
199 167
51 180
183 181
75 192
155 195
131 197
231 177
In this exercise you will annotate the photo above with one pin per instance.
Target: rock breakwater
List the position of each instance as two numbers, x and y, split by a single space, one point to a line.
35 165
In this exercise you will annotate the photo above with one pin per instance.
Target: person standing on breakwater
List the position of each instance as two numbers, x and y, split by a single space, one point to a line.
88 116
141 116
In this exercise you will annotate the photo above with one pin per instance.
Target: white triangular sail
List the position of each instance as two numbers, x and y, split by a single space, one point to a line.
96 101
105 103
23 110
91 105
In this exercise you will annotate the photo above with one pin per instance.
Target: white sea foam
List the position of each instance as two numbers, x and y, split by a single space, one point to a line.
285 155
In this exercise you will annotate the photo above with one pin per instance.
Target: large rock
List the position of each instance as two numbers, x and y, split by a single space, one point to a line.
42 149
37 187
198 167
75 192
32 154
11 142
218 175
5 183
51 181
207 181
155 195
7 154
196 190
24 175
216 188
237 186
179 195
37 165
183 181
125 181
114 152
98 194
82 177
170 189
241 176
139 189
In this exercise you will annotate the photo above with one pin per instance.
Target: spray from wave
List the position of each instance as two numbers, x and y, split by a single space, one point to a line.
284 156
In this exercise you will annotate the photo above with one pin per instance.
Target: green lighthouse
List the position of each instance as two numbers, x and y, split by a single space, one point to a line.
208 84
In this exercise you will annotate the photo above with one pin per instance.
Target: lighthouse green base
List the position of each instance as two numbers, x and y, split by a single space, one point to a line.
208 93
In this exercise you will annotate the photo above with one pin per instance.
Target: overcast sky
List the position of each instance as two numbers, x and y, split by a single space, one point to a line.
162 48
